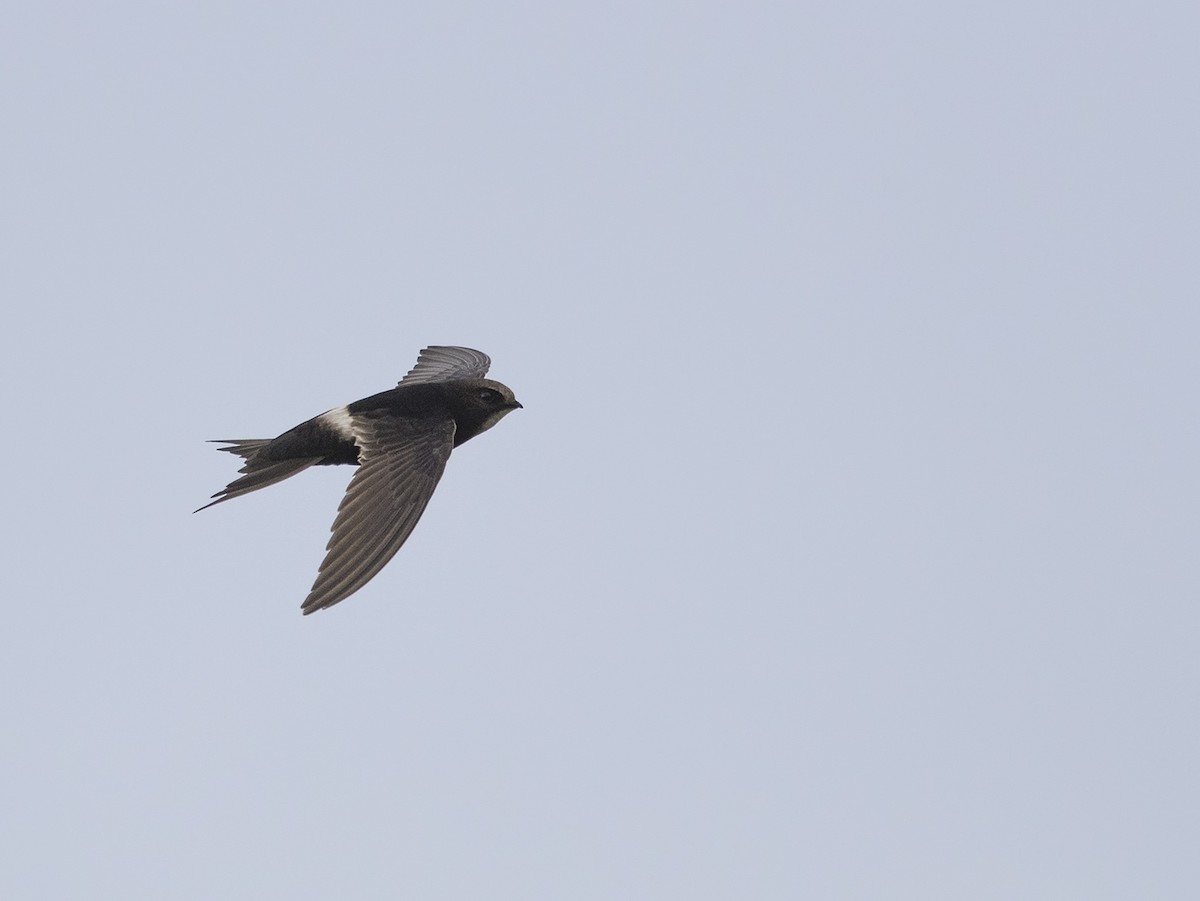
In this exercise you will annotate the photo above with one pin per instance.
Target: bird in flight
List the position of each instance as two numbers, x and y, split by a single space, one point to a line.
400 441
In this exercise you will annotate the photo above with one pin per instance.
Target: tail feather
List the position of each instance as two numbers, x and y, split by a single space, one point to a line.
243 447
257 473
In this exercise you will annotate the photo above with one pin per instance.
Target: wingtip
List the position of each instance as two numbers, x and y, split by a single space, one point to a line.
312 604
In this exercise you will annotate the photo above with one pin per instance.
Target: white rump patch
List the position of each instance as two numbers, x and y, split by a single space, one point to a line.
340 420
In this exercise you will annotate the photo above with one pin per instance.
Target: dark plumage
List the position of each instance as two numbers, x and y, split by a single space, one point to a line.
399 439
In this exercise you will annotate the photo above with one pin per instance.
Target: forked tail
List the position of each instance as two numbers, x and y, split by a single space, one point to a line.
257 473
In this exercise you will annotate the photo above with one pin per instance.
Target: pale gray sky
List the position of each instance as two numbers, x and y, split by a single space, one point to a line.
845 547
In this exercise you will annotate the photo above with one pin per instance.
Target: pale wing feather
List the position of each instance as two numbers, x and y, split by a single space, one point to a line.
401 461
443 364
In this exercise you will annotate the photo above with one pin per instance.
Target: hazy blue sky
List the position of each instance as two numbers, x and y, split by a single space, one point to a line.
846 547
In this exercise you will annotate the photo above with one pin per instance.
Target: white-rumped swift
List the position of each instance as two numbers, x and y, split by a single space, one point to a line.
399 439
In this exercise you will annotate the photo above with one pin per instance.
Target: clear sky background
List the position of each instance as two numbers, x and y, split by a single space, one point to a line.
846 547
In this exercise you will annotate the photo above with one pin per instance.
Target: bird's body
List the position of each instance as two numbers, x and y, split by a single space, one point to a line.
399 439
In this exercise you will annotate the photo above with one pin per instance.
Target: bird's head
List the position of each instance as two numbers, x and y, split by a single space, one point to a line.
478 404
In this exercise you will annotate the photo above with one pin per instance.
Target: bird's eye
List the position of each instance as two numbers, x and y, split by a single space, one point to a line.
487 395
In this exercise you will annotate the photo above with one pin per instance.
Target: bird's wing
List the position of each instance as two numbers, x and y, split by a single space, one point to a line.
441 364
401 461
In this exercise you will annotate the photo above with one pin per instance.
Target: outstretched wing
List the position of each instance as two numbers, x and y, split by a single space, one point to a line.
441 364
401 461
